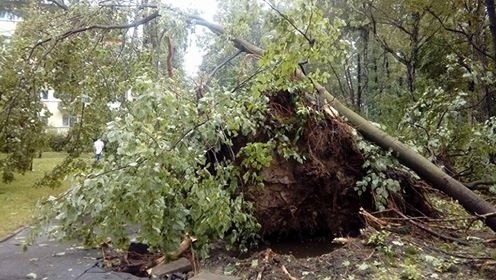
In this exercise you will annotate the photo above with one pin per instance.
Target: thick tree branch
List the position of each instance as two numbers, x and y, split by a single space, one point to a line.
60 5
96 26
241 44
218 67
469 37
110 27
401 57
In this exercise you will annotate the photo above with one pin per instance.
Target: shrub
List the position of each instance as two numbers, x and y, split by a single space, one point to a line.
57 142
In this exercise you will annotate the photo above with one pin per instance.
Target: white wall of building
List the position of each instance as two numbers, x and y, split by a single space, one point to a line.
58 121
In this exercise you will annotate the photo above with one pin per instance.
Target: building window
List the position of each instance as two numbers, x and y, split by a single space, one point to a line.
66 121
44 94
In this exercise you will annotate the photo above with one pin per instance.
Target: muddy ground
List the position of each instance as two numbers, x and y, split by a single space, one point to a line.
373 255
453 245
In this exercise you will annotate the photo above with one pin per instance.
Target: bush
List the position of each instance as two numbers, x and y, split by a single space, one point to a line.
57 142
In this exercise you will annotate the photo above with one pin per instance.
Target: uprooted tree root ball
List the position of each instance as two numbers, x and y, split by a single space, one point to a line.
318 195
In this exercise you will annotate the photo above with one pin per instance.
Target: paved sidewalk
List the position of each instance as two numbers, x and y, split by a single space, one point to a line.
51 260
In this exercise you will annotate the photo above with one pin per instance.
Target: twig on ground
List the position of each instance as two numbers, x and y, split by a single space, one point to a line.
373 221
480 185
285 270
428 230
260 273
485 216
467 257
369 256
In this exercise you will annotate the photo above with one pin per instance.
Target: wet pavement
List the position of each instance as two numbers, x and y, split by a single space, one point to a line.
49 260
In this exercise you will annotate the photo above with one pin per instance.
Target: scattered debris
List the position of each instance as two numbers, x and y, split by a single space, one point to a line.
204 275
142 262
181 265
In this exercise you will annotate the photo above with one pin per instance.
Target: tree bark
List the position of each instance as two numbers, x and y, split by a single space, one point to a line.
407 156
358 100
491 14
491 96
365 73
170 55
412 62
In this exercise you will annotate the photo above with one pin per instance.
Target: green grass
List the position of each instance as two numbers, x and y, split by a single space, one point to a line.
18 198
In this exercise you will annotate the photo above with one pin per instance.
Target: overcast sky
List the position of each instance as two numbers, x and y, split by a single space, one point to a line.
194 54
193 57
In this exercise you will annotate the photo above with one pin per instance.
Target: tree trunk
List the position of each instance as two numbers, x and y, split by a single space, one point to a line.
349 82
407 156
491 95
365 73
422 166
491 14
150 37
412 62
358 100
480 52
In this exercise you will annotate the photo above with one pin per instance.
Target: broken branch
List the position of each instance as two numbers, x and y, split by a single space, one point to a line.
426 229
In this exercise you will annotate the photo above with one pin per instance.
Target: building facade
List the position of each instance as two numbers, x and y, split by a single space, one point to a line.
57 122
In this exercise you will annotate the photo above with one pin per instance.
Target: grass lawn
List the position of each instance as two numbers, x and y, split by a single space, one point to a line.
18 199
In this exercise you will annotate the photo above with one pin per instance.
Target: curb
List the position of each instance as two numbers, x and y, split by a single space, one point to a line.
12 234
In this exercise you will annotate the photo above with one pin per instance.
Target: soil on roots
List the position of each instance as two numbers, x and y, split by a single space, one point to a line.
314 197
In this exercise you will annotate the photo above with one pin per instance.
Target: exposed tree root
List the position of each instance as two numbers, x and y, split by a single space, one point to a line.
316 196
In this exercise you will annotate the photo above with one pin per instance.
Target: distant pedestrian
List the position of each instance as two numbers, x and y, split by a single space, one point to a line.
98 148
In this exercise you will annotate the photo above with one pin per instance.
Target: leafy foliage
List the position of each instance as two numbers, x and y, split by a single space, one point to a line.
375 180
57 142
447 140
157 180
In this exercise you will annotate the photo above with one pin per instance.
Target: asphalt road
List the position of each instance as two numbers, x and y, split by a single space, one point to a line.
49 260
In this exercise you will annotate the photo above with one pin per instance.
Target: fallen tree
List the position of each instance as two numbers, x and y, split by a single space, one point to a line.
407 156
178 164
